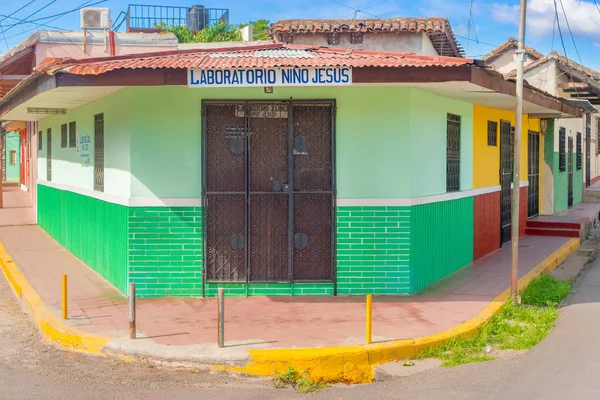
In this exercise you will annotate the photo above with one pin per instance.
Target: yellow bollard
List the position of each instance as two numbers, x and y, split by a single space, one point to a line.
64 297
369 318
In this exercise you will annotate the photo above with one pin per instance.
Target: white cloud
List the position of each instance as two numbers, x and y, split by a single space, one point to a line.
583 16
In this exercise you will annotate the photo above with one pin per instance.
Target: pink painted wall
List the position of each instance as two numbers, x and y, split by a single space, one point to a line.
75 50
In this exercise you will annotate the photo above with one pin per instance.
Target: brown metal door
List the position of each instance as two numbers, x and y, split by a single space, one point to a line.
533 174
313 198
225 224
268 189
505 181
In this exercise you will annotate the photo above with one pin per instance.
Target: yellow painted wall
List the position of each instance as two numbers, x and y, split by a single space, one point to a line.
486 159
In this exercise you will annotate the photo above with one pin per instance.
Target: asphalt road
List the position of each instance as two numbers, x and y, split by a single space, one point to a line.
565 365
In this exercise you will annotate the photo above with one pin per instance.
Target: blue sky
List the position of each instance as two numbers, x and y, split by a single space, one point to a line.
492 21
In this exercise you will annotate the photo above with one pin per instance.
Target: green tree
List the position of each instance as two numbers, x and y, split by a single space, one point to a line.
260 28
221 32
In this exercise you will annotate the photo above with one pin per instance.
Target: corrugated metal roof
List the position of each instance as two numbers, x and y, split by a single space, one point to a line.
277 55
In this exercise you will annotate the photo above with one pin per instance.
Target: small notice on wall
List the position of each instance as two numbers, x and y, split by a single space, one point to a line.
292 76
83 148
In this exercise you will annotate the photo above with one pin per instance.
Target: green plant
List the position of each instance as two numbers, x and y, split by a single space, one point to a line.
221 32
515 327
305 385
545 291
287 377
301 382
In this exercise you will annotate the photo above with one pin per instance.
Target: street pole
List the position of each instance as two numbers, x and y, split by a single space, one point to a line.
514 275
2 139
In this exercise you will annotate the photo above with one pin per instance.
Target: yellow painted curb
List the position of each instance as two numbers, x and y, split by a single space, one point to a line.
350 364
356 364
51 327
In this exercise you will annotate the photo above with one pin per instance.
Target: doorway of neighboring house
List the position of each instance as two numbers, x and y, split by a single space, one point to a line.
505 181
570 163
268 183
533 174
588 151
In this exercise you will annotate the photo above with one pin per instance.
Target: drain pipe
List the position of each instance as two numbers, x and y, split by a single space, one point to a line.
111 37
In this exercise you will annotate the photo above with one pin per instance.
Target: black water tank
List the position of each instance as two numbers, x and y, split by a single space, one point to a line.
197 18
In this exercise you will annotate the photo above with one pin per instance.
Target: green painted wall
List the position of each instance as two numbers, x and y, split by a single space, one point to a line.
166 138
561 184
165 251
270 289
93 230
441 240
13 171
373 250
69 167
428 143
382 130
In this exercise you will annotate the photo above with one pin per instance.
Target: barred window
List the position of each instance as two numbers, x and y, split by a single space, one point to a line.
492 133
579 151
40 135
562 157
453 153
72 134
63 136
99 152
49 155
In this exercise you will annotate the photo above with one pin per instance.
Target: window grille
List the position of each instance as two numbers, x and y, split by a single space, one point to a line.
99 152
492 133
453 153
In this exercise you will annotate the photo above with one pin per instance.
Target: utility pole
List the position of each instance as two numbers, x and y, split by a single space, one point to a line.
514 275
2 152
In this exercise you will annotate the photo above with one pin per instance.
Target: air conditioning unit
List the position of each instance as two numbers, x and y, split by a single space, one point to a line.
95 18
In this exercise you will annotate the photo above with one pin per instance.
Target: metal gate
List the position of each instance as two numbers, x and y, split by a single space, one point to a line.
533 175
570 163
269 191
505 181
588 151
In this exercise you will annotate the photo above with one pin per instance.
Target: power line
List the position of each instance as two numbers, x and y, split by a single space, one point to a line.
5 41
375 5
469 25
478 42
55 16
356 10
560 30
30 15
14 12
570 32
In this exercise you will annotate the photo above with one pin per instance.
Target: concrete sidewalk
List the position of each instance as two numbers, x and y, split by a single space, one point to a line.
186 328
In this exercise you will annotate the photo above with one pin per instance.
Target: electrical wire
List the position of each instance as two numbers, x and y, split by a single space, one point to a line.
469 26
30 15
16 11
473 40
570 32
356 10
54 17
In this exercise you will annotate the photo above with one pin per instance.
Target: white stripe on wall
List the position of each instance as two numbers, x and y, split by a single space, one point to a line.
197 201
415 201
128 202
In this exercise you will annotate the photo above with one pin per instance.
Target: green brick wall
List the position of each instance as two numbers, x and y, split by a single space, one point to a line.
373 250
165 251
93 230
270 289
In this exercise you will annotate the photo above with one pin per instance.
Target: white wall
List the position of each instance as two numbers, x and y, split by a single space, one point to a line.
404 42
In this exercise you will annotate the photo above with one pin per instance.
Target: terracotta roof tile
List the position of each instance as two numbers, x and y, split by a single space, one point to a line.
266 56
511 43
438 29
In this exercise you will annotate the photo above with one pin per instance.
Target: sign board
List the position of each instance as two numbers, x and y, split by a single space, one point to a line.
83 148
285 76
